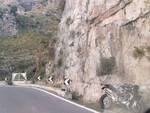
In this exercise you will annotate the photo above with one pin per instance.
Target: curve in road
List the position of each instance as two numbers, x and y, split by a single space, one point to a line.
29 100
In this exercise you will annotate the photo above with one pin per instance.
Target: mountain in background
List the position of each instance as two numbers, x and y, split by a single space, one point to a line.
26 28
35 15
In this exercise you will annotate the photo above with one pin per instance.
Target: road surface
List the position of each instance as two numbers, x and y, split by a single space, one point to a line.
29 100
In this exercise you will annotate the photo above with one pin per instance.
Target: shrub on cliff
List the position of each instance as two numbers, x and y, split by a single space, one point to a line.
57 85
138 53
13 9
107 66
60 62
148 49
76 96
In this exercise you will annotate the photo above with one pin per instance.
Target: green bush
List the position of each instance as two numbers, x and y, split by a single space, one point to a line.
148 58
42 72
33 81
9 81
107 66
30 72
60 62
25 23
57 85
19 52
2 76
138 53
1 13
148 49
13 9
76 96
69 21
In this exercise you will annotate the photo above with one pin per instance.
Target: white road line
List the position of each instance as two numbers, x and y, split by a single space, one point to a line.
78 105
61 98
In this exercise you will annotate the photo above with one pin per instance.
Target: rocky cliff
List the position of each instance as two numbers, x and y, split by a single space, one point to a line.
20 15
8 24
103 40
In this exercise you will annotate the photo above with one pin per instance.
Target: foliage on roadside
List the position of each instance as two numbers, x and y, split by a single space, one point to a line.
56 85
20 53
76 96
33 46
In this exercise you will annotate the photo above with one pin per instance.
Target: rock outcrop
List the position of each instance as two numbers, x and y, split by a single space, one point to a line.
8 26
20 15
28 5
91 30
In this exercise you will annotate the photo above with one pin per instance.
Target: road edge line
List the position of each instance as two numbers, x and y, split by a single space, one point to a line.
61 98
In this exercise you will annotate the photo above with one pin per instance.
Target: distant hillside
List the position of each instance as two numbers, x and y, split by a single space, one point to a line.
26 28
39 15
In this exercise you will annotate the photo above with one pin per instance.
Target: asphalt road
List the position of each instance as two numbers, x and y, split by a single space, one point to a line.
28 100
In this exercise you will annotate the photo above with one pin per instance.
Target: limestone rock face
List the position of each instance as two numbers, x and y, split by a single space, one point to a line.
94 29
24 5
15 14
8 26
